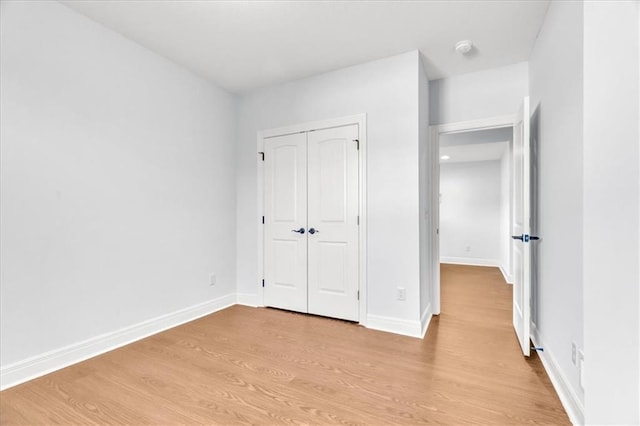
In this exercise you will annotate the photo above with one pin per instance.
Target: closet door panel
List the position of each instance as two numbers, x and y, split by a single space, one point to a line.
285 193
333 222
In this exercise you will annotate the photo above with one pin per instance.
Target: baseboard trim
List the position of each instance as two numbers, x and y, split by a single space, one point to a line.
246 299
425 320
31 368
506 276
470 261
395 325
568 397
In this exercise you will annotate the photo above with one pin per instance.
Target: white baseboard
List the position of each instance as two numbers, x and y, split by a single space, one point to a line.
252 300
425 319
39 365
570 400
470 261
506 276
395 325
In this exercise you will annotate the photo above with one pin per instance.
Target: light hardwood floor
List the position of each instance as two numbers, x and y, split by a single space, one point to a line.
264 366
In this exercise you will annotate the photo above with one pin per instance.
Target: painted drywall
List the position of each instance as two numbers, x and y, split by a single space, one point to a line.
611 213
470 197
555 70
505 214
387 91
424 187
482 94
118 183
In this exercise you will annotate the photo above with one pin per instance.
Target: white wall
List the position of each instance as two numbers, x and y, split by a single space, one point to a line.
482 94
118 186
387 91
505 214
611 213
424 187
470 212
556 91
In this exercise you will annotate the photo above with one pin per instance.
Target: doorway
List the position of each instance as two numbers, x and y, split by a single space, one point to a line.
475 198
435 134
520 217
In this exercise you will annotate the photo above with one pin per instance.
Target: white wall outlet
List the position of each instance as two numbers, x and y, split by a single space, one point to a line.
212 279
581 369
402 293
573 353
467 248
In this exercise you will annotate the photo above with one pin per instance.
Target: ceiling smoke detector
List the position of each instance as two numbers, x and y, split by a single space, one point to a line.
464 46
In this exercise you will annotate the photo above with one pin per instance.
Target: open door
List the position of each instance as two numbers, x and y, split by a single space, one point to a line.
521 229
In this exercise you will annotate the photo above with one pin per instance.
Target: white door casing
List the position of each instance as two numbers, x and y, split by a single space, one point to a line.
521 227
285 195
332 170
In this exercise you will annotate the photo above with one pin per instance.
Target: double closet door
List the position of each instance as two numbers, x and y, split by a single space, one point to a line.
311 222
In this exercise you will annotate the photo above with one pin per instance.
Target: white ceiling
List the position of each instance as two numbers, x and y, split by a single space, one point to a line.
477 145
243 45
477 152
477 136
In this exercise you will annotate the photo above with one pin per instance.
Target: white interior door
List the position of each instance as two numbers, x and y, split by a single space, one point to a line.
521 228
285 222
333 222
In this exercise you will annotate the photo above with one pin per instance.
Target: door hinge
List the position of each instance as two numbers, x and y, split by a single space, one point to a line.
262 283
262 155
358 220
357 144
358 294
263 220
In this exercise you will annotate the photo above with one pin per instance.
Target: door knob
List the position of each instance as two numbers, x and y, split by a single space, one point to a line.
299 231
525 238
313 231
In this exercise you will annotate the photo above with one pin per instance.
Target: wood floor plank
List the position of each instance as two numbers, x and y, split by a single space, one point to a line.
263 366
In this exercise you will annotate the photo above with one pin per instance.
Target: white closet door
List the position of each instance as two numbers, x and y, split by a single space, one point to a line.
285 180
333 222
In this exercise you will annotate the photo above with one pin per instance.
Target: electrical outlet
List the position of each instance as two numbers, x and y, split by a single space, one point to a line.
402 293
212 279
581 369
573 353
467 249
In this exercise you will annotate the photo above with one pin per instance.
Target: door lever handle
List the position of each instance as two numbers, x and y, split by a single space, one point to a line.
313 231
299 231
525 238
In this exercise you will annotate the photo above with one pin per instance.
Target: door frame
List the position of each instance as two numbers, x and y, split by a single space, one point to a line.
435 131
361 121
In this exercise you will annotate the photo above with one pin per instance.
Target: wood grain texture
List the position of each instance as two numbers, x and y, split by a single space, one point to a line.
262 366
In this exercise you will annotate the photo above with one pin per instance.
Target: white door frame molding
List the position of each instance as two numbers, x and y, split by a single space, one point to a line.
361 121
435 131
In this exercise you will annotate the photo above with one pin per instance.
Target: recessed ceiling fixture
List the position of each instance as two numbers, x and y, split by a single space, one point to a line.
445 157
463 47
